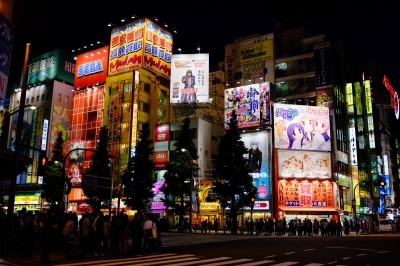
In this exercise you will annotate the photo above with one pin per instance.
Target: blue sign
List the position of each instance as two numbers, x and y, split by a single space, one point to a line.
292 203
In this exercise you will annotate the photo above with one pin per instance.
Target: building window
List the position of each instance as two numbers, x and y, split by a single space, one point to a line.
128 87
66 99
146 87
146 107
32 99
43 97
59 97
162 96
37 98
27 100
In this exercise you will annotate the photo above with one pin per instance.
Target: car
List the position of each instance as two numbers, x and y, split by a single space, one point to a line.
385 225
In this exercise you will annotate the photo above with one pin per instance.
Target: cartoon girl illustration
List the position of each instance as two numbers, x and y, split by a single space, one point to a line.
295 133
307 122
322 141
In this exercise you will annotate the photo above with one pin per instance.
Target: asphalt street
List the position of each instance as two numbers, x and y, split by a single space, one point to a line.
250 250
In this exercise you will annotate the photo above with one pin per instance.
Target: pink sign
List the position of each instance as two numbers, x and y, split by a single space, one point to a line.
156 201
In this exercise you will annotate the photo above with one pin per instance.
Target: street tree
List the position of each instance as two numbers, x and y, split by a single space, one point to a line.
100 167
180 170
233 179
53 181
137 177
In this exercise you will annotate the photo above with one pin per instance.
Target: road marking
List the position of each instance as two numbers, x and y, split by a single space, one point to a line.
226 262
209 260
270 256
333 262
285 263
366 249
289 253
314 264
382 252
309 249
346 258
361 255
256 263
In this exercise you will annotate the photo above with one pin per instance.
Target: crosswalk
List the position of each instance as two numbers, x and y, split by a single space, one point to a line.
185 260
182 240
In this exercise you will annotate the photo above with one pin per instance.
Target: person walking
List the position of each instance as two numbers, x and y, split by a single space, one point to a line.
124 234
49 232
148 242
338 228
106 232
137 233
346 227
98 234
85 235
196 224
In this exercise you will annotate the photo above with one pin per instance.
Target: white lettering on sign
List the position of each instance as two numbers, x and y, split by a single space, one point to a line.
44 135
90 68
161 156
69 67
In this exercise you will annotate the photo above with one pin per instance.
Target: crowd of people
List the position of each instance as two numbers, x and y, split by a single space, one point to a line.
40 232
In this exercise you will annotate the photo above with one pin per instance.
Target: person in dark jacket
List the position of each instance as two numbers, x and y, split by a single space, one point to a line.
98 234
137 233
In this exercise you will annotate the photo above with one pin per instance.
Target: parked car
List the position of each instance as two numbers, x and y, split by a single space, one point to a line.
385 225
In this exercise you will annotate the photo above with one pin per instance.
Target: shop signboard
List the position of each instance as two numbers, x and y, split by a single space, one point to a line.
209 208
344 180
6 41
160 160
259 161
140 44
394 98
161 132
245 101
230 70
325 97
76 194
255 52
91 68
57 64
305 194
265 102
258 205
189 78
27 199
253 71
299 127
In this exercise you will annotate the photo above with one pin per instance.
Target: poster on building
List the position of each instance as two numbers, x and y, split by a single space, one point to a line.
255 52
305 194
253 71
160 160
323 66
259 159
91 68
245 101
61 122
325 97
157 201
76 161
299 127
25 133
161 132
140 43
189 78
265 102
304 164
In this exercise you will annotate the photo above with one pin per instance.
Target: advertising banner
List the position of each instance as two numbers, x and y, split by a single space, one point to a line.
6 41
325 97
304 164
265 102
91 68
259 159
253 71
26 132
161 132
255 52
57 64
344 180
61 121
157 201
189 78
299 127
135 112
245 101
323 66
305 194
76 161
160 160
138 44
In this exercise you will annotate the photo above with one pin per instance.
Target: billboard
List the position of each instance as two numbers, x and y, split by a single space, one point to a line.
245 101
26 132
61 121
253 71
76 161
157 201
304 164
255 52
57 64
305 194
160 160
6 41
138 44
161 132
91 68
259 159
189 78
299 127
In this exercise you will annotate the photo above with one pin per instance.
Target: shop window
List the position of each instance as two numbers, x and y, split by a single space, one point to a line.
128 87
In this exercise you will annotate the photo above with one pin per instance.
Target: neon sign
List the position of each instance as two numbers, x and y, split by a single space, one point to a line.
394 98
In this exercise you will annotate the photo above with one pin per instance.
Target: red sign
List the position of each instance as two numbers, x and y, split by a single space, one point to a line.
76 194
161 132
160 160
91 68
394 98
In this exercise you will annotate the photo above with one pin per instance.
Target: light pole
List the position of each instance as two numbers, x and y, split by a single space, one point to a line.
191 190
354 199
64 187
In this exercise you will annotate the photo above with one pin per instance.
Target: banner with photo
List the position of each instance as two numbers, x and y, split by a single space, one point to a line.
76 160
299 127
259 159
245 100
189 78
304 164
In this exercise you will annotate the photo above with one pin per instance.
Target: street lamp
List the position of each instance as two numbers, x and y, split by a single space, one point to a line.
191 189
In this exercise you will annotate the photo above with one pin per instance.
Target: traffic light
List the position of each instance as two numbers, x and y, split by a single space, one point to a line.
42 164
379 183
110 162
252 203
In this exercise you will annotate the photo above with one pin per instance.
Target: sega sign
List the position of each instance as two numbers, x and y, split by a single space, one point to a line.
91 69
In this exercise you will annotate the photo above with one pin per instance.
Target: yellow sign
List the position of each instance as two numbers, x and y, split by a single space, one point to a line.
254 53
27 199
209 207
368 100
140 44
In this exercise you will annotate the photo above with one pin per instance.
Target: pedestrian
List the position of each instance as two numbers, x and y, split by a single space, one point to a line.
98 234
157 240
124 234
346 227
18 234
68 232
196 224
106 232
316 227
49 231
229 224
204 226
148 242
115 225
137 233
209 226
85 238
251 226
216 225
338 228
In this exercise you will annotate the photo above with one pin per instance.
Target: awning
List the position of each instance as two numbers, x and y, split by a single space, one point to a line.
310 210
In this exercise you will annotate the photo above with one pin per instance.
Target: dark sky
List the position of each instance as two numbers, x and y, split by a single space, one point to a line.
369 28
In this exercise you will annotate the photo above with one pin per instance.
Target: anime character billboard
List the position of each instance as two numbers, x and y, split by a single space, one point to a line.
299 127
245 101
258 161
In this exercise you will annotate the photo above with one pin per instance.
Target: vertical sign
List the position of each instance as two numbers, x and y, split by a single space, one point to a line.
368 100
44 135
6 40
135 113
371 135
323 66
161 146
386 173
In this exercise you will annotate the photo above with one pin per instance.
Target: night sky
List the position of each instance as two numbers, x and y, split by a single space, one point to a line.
368 28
